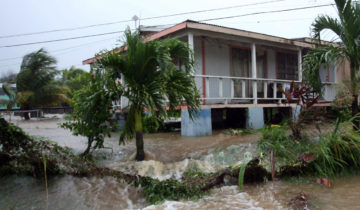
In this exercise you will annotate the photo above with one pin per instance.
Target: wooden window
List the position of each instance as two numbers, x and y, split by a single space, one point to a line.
287 65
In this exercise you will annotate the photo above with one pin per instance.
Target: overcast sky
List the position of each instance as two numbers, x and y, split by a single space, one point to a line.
28 16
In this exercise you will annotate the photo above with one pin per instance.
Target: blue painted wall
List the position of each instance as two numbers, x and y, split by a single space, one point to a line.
201 126
255 118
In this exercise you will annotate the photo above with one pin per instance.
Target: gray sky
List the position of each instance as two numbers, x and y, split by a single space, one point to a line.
27 16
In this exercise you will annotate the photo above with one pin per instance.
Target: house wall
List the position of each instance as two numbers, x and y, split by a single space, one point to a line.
217 63
271 64
342 70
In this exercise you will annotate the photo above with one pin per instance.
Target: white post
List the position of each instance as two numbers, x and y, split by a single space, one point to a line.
220 88
191 40
274 89
284 89
232 89
207 85
265 89
253 71
300 65
191 43
243 88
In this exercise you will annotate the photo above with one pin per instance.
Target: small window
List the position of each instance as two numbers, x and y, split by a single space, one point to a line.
327 72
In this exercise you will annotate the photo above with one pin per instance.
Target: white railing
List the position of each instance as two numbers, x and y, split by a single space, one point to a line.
247 89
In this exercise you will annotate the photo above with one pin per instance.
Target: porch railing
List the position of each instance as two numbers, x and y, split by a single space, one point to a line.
268 92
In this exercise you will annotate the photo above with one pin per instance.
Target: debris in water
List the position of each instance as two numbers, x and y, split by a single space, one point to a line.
300 201
324 181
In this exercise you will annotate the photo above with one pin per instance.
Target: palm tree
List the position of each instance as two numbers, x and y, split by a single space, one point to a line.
152 80
35 82
347 28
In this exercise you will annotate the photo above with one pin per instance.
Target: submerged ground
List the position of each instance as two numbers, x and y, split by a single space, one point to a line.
168 155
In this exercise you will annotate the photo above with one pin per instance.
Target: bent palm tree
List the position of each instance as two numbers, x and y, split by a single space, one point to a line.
35 82
152 80
347 28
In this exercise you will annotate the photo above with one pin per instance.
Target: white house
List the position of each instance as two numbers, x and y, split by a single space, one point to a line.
237 69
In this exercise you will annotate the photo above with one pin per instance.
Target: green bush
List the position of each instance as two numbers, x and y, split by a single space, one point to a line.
338 151
286 149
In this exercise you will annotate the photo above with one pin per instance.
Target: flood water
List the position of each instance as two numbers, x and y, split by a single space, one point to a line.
168 156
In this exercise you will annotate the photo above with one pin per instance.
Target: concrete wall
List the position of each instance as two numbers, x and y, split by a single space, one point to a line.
199 126
255 118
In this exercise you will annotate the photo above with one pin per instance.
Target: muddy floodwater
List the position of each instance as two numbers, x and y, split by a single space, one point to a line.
168 156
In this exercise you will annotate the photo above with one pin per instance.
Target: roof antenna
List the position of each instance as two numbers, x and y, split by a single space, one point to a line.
135 19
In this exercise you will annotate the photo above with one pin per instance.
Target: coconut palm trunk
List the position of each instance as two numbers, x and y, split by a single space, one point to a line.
355 102
140 154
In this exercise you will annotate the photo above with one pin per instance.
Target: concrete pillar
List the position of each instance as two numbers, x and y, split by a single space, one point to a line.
199 126
300 65
255 118
253 71
295 111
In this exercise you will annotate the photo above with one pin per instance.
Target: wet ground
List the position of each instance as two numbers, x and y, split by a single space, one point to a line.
168 155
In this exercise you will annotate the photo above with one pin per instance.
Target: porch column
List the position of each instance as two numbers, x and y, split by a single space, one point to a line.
253 71
191 41
300 65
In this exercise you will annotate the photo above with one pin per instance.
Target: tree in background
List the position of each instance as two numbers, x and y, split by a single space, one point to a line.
152 80
347 28
73 79
92 106
35 82
8 77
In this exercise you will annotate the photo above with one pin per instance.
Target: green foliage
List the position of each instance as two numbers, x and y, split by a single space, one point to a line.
73 79
10 103
188 188
151 123
314 60
22 154
344 94
346 27
35 82
157 191
286 150
91 110
341 113
338 151
333 153
242 175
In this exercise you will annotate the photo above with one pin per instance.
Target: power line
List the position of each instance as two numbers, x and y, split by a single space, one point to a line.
55 52
142 19
58 40
205 20
266 12
63 49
